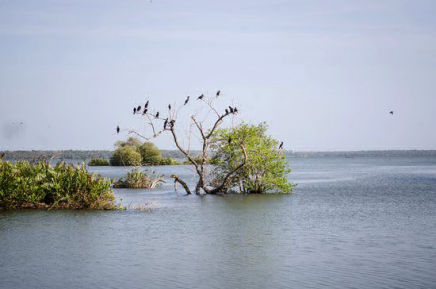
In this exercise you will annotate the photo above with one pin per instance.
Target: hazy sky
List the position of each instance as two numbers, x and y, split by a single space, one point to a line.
322 74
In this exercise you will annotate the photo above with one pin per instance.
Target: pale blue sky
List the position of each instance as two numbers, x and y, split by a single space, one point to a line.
322 74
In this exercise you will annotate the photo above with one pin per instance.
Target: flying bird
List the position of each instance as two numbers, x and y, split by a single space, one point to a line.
391 112
134 110
281 146
118 129
218 93
172 122
200 97
146 104
157 114
186 101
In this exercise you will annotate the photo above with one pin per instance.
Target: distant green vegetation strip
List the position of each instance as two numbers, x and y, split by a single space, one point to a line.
63 186
98 162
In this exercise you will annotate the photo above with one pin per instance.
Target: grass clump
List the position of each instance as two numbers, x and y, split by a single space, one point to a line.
63 186
98 162
139 179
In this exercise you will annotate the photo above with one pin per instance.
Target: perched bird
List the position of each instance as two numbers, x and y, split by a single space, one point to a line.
169 106
391 112
165 123
134 110
227 111
230 140
231 109
139 108
281 146
172 122
218 93
200 97
157 114
145 111
146 104
186 101
118 129
235 110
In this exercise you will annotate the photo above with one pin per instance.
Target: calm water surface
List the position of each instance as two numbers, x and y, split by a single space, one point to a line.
351 223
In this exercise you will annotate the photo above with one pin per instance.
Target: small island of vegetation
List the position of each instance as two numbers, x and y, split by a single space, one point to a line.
139 179
43 186
98 162
133 152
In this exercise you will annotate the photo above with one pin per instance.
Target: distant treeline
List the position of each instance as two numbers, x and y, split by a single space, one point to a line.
79 155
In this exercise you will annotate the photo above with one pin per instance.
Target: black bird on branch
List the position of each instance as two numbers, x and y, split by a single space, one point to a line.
172 122
165 123
145 111
139 108
186 101
134 110
281 146
391 112
231 109
218 93
200 97
118 129
146 104
169 106
227 111
157 114
235 110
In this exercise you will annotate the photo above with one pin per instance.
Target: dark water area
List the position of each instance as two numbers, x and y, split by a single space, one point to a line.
360 222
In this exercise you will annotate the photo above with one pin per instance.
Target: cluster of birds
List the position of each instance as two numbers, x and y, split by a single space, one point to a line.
137 110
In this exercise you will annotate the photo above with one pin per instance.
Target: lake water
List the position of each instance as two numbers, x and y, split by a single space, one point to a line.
351 223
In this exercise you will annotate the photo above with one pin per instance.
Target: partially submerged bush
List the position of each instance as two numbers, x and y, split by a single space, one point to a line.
266 168
98 162
168 162
126 156
139 179
40 185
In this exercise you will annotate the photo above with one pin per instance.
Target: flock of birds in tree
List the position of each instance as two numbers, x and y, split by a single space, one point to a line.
229 110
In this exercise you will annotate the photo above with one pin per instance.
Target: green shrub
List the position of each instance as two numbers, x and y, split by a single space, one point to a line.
266 168
126 156
98 162
151 155
139 179
40 185
168 162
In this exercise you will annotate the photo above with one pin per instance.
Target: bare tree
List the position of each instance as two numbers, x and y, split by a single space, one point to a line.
160 125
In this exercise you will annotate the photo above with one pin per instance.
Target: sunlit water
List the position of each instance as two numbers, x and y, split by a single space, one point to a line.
351 223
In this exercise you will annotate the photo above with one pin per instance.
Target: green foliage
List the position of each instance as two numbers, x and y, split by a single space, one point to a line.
126 156
150 154
138 179
98 162
131 141
135 153
40 185
168 162
266 168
